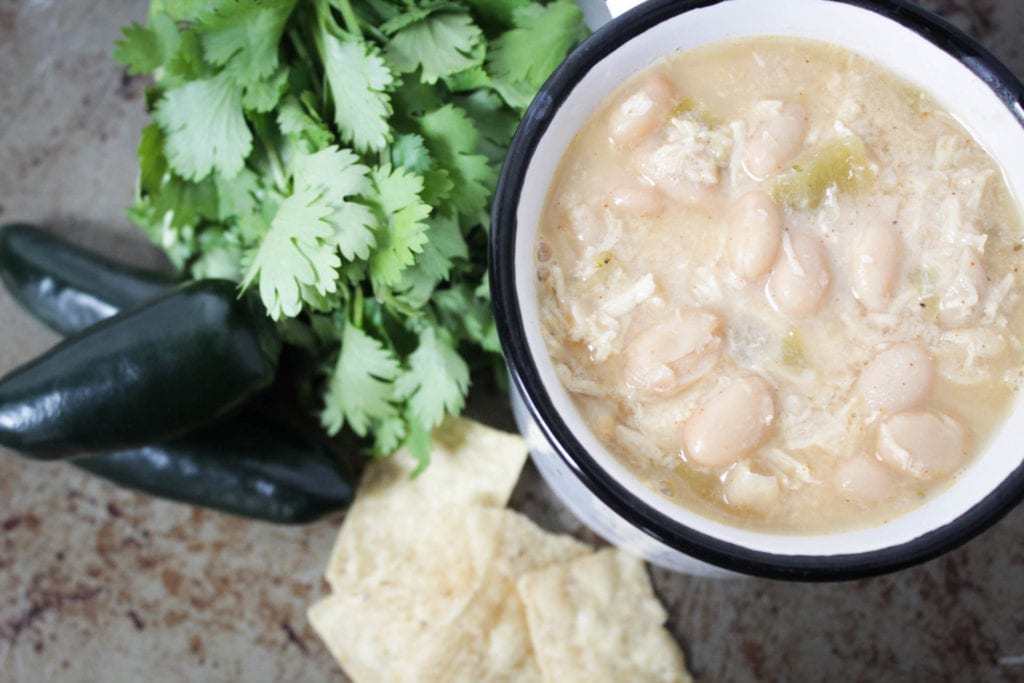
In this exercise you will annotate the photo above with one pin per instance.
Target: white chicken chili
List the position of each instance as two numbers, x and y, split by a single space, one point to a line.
780 284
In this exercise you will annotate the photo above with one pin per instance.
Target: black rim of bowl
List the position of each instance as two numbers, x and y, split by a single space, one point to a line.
526 376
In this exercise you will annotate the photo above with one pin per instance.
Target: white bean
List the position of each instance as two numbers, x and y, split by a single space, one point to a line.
896 379
961 303
730 424
774 142
642 112
755 232
923 444
875 255
636 200
672 353
744 488
865 479
800 277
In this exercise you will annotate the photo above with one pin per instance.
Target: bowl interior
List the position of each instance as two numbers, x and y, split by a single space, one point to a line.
957 88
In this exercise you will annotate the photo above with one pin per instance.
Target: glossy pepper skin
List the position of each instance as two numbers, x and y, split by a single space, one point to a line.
249 464
246 465
143 376
69 288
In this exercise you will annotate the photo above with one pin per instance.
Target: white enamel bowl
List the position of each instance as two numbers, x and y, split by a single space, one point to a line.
964 78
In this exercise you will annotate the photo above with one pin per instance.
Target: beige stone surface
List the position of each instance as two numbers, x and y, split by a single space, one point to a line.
101 584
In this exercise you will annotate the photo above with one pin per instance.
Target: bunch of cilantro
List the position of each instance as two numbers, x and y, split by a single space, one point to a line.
340 156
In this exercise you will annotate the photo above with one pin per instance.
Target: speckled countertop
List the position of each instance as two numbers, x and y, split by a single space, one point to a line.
102 584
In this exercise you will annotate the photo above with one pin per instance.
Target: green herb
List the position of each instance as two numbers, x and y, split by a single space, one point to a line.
339 156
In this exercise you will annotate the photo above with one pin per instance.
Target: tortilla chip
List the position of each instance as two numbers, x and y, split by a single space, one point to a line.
470 465
415 579
491 641
596 619
438 602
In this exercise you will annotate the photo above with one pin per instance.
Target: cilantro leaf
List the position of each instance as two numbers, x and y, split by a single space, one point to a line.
358 80
497 12
297 261
412 99
419 443
413 290
518 69
186 64
262 96
337 175
170 211
493 119
404 231
452 140
473 78
299 249
360 390
142 49
437 186
389 435
294 119
221 256
253 225
243 37
437 379
412 14
178 10
444 243
237 196
335 170
397 188
466 314
176 204
409 152
441 45
204 128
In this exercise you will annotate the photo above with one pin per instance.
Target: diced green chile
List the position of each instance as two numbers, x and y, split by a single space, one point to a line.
143 376
246 465
67 287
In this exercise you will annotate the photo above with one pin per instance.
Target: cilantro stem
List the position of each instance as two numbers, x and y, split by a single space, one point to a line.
323 15
277 168
375 33
299 45
348 15
357 308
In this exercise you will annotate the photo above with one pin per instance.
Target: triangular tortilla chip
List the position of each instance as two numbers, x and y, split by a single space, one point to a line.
470 465
438 601
491 642
596 620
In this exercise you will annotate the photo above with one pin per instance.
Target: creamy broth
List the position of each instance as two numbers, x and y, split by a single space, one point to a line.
781 286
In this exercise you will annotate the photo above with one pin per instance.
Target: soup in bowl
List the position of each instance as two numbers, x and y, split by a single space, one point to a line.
755 274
